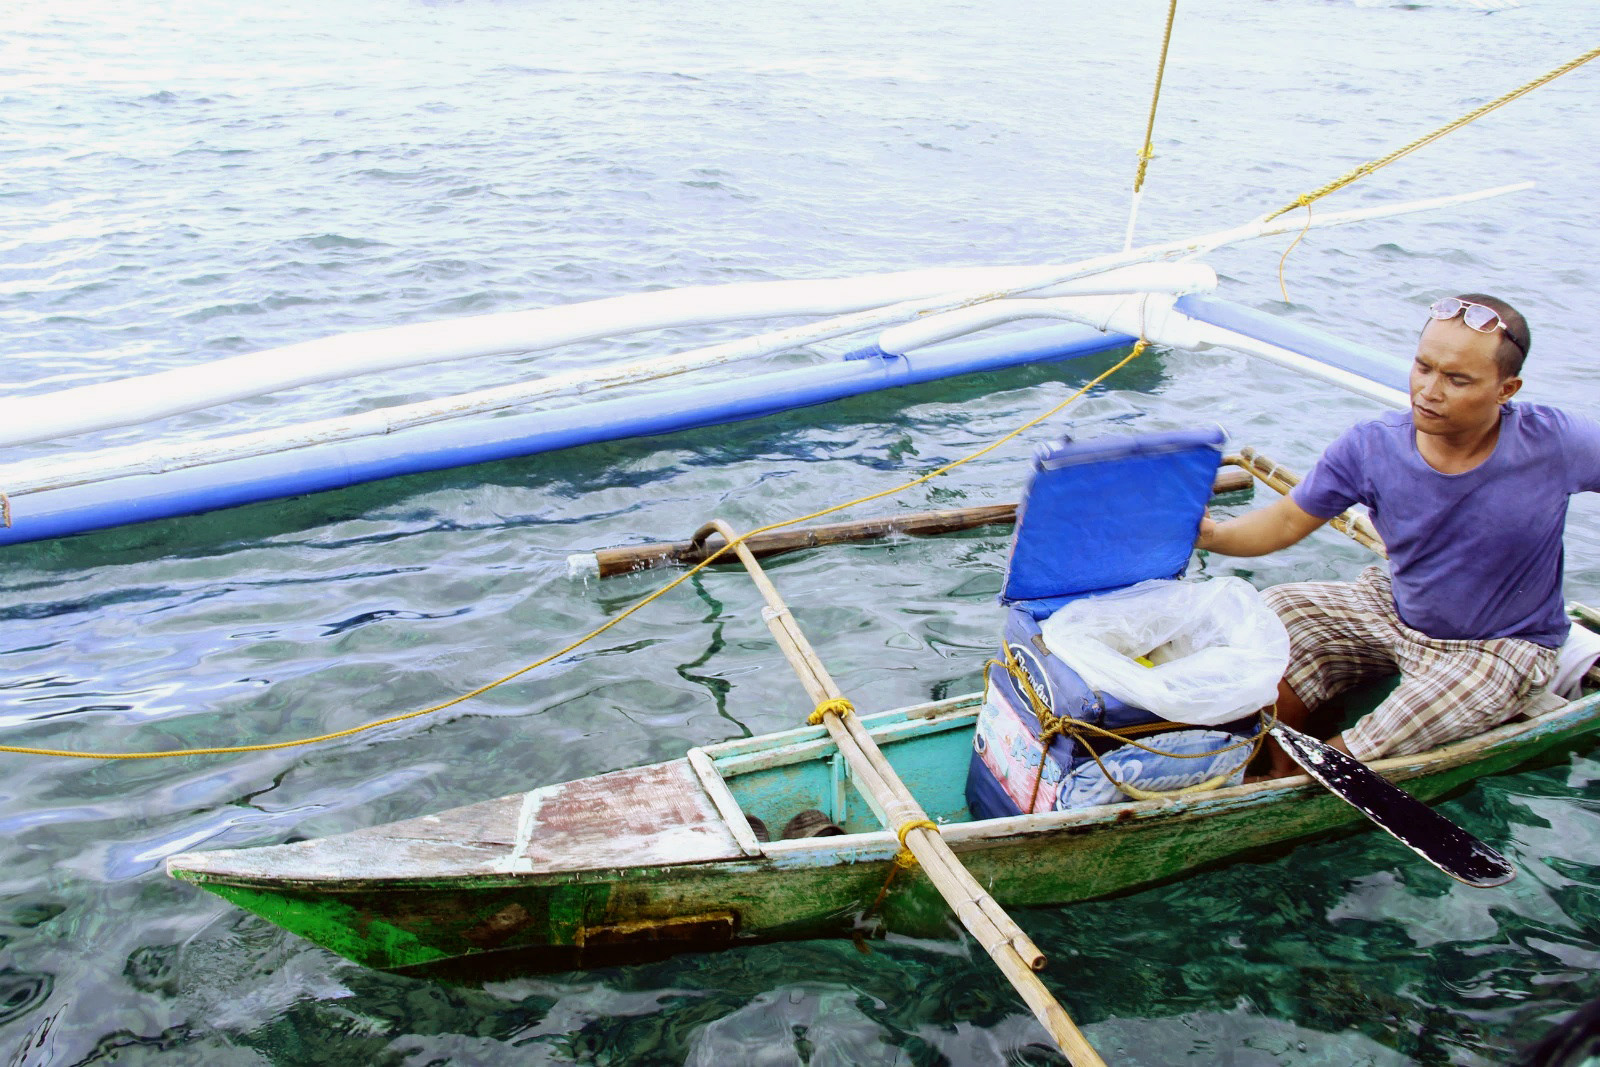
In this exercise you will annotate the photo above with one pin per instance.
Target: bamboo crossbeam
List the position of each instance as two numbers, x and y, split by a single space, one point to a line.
877 779
1005 942
627 558
1281 480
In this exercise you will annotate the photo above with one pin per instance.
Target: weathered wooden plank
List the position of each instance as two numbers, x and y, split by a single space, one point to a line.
641 816
626 558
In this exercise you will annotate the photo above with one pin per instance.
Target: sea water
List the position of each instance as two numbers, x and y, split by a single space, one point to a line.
191 180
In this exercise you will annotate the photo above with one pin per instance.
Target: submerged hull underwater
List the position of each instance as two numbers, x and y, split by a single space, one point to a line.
638 864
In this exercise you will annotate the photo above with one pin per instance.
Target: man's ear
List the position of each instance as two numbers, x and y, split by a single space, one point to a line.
1508 388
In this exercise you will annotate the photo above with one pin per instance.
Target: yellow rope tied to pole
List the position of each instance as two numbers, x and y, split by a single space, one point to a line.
1405 150
840 706
638 605
1148 151
906 828
905 859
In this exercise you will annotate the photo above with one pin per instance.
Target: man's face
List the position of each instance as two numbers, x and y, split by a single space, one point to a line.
1456 386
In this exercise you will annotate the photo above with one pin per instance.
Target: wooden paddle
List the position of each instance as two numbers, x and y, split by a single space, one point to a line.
1011 949
1410 821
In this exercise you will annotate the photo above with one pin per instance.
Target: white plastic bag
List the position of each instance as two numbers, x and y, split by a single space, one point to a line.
1218 650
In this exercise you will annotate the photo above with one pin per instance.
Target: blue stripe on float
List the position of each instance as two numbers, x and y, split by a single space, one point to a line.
79 509
1369 363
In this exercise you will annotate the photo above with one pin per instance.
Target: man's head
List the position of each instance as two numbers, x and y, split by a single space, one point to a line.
1491 315
1467 365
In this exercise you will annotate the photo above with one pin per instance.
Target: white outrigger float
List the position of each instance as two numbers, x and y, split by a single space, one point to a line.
914 325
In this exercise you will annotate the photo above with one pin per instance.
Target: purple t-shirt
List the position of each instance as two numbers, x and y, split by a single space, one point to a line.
1474 555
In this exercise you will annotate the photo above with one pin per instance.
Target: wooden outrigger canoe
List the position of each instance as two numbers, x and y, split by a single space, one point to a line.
640 863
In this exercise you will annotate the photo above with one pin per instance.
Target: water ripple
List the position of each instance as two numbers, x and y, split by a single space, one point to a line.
217 178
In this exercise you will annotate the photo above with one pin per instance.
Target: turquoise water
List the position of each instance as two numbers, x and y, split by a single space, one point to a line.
196 179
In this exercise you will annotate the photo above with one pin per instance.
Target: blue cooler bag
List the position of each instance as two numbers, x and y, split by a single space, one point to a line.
1095 517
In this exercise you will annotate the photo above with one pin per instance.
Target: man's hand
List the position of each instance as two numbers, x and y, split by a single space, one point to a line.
1255 533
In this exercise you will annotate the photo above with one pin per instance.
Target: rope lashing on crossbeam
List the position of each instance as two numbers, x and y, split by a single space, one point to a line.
839 706
904 860
905 857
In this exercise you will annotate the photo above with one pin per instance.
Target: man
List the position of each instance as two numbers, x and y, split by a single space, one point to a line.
1469 492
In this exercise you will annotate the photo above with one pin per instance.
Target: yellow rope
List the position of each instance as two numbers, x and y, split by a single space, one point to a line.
1157 794
840 706
1426 139
907 827
1148 150
1285 257
711 558
904 860
1071 727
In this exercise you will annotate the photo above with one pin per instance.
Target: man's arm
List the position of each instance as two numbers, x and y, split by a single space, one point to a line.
1255 533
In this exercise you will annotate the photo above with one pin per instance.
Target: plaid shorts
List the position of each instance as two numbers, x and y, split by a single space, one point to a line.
1342 633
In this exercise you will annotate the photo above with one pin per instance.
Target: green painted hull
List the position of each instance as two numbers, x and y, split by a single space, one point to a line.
470 892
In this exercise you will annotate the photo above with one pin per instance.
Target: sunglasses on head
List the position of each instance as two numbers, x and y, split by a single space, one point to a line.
1476 316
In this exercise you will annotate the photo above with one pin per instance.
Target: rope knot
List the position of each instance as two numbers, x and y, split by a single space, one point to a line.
839 706
905 859
913 824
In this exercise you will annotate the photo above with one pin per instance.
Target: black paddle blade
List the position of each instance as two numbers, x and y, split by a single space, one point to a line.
1411 822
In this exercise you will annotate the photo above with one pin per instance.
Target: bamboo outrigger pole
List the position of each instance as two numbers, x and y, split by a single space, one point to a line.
1011 949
